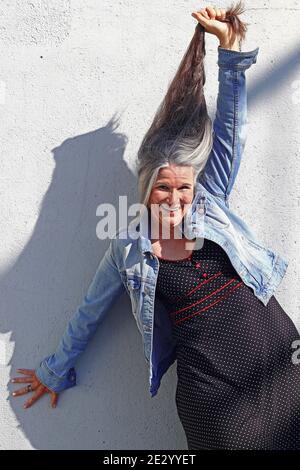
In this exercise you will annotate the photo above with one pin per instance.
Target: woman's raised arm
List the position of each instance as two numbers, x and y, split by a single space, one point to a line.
229 127
230 123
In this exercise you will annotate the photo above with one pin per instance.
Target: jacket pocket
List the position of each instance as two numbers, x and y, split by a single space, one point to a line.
133 284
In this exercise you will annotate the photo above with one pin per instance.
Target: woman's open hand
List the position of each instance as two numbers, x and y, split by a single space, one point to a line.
34 385
213 21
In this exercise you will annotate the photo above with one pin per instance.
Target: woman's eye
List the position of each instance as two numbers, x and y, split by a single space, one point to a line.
166 187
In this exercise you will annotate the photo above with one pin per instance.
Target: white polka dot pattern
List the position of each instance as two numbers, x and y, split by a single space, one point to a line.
237 386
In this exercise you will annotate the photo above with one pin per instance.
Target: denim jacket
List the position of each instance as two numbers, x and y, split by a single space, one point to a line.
130 265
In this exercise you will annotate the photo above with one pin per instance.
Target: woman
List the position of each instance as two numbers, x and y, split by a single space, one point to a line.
211 279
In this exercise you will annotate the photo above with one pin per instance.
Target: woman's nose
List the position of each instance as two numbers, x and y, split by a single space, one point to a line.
173 198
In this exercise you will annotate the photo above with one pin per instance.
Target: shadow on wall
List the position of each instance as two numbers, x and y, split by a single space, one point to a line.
277 92
40 293
280 75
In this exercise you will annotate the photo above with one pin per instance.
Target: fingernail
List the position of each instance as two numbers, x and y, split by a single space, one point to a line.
12 380
24 406
14 394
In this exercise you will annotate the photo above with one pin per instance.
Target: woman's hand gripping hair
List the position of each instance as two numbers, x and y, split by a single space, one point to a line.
225 25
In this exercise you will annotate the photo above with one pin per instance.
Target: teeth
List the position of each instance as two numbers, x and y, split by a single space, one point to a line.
174 209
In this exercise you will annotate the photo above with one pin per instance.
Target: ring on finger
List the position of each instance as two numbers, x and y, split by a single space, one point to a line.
29 388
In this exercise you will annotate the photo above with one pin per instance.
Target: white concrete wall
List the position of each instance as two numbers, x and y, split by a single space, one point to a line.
66 68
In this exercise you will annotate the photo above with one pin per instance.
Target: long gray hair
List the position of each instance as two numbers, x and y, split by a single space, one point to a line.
181 132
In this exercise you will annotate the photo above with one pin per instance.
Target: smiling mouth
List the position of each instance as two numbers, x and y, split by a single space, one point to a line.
172 209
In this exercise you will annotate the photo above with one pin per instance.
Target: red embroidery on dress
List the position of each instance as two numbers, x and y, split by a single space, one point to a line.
204 298
203 283
209 306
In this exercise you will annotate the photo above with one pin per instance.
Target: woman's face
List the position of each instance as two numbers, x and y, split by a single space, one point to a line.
173 189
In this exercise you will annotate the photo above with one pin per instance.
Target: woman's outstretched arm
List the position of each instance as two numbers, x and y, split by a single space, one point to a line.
56 372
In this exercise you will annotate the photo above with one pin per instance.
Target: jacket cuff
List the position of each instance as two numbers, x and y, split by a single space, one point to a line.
53 381
236 60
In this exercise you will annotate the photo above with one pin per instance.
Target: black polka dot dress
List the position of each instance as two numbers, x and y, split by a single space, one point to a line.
237 387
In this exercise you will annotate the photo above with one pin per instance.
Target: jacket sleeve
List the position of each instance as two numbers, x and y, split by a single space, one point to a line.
56 371
229 126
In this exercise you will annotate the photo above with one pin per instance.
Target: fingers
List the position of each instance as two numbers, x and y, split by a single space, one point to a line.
35 386
204 13
211 12
216 13
31 380
202 17
22 380
24 390
40 391
54 399
222 14
26 371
